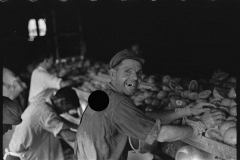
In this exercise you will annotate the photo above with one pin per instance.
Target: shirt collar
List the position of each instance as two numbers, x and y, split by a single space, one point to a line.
112 87
41 68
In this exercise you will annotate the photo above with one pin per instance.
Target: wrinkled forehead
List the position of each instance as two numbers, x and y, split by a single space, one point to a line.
132 64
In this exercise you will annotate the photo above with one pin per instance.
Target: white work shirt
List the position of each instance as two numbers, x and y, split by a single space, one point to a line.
41 80
8 78
36 136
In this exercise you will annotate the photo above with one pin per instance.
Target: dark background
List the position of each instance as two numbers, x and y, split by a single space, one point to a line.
180 38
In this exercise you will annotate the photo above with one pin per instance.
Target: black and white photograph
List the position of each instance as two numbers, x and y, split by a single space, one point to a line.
120 79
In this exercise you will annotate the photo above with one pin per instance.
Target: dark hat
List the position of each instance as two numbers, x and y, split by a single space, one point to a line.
11 112
125 54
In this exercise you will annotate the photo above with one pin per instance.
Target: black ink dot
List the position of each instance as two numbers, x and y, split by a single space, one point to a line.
98 100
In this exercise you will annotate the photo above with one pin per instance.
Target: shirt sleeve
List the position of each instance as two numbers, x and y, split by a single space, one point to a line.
131 121
50 80
52 123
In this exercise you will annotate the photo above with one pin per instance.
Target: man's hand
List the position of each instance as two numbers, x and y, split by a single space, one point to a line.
68 135
24 85
198 108
213 117
70 118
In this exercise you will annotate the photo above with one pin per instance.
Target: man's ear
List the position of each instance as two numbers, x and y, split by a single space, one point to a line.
113 74
45 60
58 101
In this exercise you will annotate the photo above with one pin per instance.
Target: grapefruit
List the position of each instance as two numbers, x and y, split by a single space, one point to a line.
231 118
166 88
162 94
204 94
192 95
155 88
230 136
150 108
215 101
181 103
186 100
219 93
139 98
156 102
201 100
230 85
148 100
166 79
193 86
170 106
233 110
184 94
165 102
148 93
151 80
228 102
172 84
214 134
154 95
219 76
177 103
174 98
138 103
172 94
225 125
232 93
225 109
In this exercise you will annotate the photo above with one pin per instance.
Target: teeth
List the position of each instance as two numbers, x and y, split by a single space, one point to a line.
130 84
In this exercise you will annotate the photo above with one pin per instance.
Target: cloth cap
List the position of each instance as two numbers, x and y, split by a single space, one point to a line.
125 54
11 112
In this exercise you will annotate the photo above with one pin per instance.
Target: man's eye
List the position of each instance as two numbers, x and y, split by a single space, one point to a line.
139 73
128 71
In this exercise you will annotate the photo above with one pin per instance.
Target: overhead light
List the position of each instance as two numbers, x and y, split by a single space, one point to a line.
33 0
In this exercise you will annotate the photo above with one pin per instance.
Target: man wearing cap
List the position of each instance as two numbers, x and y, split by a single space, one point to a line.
37 137
104 135
11 114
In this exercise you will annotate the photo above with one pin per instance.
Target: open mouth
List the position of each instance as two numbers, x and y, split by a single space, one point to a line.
131 85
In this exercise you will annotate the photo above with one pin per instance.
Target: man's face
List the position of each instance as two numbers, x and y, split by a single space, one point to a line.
6 127
128 76
50 62
63 107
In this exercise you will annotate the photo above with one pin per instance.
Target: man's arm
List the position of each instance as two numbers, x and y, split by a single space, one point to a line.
68 135
69 123
17 88
171 133
166 117
169 116
66 83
